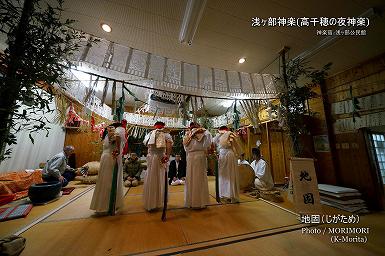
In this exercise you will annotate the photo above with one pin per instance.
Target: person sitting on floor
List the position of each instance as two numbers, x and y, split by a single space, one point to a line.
131 171
242 159
56 168
263 178
177 171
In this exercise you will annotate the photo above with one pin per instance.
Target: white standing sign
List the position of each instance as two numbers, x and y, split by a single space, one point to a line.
304 186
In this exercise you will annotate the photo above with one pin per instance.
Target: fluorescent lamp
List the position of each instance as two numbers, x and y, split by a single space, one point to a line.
191 19
106 27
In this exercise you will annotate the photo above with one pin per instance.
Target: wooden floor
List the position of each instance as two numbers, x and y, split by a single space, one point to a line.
252 227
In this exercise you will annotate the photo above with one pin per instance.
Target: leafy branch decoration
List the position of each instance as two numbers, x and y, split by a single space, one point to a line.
40 45
295 90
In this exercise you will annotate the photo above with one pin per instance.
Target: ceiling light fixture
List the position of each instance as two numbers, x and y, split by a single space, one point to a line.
242 60
106 27
191 19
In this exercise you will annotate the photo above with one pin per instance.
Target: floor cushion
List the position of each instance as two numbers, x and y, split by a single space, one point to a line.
87 179
93 167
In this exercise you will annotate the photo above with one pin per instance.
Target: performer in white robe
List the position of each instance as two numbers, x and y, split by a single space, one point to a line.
159 144
196 142
111 153
263 178
242 159
228 174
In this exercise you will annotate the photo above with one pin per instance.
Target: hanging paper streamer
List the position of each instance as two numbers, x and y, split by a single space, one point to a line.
183 106
193 110
251 109
91 90
120 108
237 119
105 89
137 132
113 103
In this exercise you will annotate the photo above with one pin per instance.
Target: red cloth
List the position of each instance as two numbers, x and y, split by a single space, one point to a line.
5 199
92 122
125 149
159 126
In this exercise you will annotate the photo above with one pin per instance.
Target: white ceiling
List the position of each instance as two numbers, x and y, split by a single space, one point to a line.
225 33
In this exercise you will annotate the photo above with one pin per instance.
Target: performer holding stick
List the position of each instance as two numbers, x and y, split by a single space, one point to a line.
229 149
108 194
196 143
159 143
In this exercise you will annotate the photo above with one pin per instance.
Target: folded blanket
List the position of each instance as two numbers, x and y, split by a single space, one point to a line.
17 183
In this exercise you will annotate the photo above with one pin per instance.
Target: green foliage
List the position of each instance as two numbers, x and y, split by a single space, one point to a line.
356 105
177 147
40 44
294 97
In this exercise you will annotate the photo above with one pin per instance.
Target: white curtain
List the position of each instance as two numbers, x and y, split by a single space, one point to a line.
26 155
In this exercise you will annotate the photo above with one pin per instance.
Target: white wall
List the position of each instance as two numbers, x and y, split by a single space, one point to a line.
26 155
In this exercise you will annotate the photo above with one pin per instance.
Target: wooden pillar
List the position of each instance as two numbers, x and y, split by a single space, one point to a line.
284 154
269 149
248 156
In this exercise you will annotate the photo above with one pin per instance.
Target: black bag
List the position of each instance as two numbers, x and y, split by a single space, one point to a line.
12 245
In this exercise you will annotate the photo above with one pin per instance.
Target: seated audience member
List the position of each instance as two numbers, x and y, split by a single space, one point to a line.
263 178
56 169
242 159
177 171
131 171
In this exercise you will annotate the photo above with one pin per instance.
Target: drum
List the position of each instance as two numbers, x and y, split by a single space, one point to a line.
44 192
246 176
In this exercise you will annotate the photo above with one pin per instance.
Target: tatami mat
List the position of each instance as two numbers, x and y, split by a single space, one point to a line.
229 229
290 243
141 232
298 243
133 203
